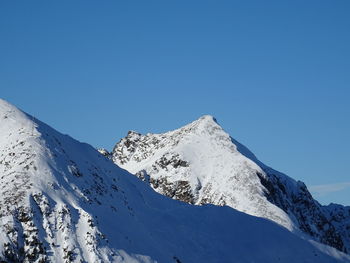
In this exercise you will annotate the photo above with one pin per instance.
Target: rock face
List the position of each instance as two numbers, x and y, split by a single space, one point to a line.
339 216
201 164
62 201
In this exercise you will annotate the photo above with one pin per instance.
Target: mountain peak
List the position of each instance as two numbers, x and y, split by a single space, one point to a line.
205 125
200 163
62 201
206 121
207 118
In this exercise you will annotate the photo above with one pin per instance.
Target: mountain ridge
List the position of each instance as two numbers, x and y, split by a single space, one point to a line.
62 201
175 164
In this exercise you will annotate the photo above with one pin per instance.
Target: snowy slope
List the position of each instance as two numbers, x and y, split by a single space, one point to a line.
62 201
200 164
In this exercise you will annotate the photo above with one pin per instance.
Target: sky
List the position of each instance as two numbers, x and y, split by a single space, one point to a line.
275 74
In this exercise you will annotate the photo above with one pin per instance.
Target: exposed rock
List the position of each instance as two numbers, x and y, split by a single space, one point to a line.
62 201
201 164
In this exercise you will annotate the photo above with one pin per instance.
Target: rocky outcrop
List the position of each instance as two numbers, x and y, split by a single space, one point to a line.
62 201
201 164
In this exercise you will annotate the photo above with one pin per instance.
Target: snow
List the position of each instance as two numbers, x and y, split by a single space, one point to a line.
221 171
215 163
62 201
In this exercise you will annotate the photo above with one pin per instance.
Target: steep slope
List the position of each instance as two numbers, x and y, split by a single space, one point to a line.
201 164
339 216
62 201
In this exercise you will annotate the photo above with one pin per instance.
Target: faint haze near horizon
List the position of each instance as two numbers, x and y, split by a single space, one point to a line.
275 74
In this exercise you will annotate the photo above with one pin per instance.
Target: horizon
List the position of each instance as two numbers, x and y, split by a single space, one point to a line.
275 75
314 189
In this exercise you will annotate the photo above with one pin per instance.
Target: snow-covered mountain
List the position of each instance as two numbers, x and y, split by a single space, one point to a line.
62 201
201 164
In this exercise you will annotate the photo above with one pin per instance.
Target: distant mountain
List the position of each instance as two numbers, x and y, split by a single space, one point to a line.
201 164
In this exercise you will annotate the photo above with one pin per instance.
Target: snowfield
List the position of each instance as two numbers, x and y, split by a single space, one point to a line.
62 201
201 164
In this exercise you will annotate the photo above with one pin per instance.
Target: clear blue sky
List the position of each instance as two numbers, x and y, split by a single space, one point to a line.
276 74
